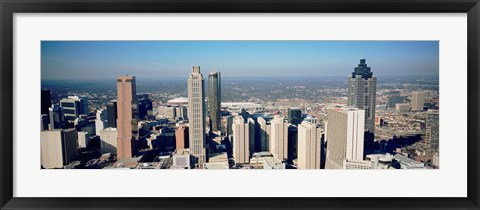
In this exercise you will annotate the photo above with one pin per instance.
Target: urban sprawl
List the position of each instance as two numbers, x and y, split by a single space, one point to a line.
358 126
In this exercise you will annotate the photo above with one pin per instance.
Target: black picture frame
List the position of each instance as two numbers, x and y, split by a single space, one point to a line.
10 7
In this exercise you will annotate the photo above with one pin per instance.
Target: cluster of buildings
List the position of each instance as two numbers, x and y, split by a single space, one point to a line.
201 132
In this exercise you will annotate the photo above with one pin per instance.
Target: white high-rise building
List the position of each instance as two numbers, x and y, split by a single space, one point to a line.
108 140
58 147
362 90
279 137
345 134
101 120
243 134
309 145
418 100
263 133
83 139
196 115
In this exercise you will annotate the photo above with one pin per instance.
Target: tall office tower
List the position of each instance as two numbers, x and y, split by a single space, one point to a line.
243 136
345 135
214 99
108 140
196 115
73 106
181 136
294 115
279 137
432 132
46 100
145 105
262 133
309 145
362 90
127 112
101 120
292 141
112 114
58 147
57 119
418 100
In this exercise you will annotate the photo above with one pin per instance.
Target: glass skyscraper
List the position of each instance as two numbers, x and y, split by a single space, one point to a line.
362 88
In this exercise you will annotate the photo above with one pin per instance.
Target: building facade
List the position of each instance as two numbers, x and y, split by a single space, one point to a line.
112 114
294 115
214 100
127 120
181 136
362 90
263 133
418 100
108 140
309 145
279 137
196 115
345 135
58 147
243 136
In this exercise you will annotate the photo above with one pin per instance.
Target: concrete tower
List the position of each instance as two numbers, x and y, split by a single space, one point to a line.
279 137
196 115
127 117
309 145
345 135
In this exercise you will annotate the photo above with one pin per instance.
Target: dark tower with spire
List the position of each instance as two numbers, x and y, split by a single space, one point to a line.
362 90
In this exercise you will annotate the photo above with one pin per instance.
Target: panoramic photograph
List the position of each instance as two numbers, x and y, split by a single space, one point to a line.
238 104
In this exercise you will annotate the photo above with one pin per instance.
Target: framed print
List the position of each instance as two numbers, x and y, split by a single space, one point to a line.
185 105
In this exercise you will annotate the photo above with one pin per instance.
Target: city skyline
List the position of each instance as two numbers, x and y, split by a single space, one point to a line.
83 60
290 123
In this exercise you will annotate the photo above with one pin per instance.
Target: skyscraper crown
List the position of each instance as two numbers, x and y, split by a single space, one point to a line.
196 69
363 70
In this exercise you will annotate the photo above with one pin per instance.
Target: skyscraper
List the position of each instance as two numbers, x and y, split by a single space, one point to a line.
73 106
362 90
279 137
112 114
46 101
127 121
309 145
418 100
214 99
243 135
57 119
262 133
196 115
345 135
145 105
294 115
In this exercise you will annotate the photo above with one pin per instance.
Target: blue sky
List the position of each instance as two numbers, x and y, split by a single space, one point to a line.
78 60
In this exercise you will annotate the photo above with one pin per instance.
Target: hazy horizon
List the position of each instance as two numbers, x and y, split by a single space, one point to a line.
102 60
